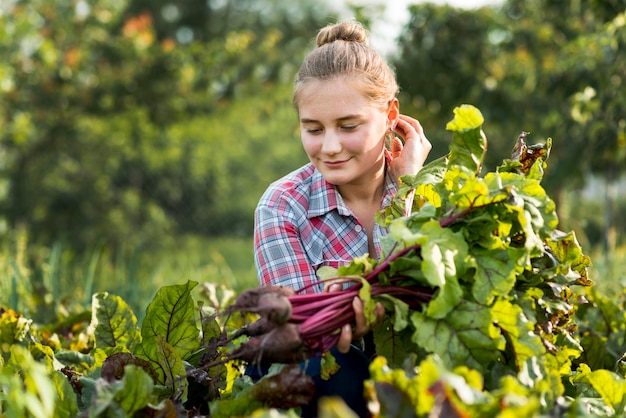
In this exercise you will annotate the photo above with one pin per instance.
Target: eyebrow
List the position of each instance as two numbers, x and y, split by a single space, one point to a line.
341 119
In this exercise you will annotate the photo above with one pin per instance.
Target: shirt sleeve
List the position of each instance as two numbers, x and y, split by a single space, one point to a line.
279 255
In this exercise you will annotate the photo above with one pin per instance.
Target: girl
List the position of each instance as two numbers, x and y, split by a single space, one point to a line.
323 213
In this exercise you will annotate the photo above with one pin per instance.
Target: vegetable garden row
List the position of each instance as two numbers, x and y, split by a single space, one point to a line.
490 312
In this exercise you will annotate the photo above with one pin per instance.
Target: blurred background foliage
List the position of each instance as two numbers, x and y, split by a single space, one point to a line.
136 136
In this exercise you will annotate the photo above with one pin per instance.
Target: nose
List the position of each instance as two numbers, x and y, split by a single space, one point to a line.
331 144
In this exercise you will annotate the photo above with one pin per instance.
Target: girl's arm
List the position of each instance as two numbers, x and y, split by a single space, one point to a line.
279 256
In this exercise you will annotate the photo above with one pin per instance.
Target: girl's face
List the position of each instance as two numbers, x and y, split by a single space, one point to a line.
342 132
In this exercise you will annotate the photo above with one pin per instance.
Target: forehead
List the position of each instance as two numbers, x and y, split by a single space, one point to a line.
332 98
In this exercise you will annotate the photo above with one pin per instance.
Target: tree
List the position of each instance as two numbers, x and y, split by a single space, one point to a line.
443 59
530 66
96 110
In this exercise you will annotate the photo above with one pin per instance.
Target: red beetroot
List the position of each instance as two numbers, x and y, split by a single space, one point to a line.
281 345
270 302
259 327
249 299
317 317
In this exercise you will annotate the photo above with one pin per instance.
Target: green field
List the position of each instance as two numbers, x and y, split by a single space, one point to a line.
40 282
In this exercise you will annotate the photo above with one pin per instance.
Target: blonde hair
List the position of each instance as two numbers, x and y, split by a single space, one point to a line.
343 49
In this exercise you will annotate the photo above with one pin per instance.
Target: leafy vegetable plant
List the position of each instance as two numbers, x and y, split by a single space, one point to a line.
481 289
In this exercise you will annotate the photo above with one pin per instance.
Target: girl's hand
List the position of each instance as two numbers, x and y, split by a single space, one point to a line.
360 328
410 157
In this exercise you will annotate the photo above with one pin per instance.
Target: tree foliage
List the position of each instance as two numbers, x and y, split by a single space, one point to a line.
551 68
113 130
127 121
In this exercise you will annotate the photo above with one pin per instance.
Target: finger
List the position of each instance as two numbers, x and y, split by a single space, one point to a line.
414 135
396 147
361 328
379 311
413 122
333 287
345 339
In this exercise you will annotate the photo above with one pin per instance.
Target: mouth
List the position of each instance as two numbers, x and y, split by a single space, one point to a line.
336 164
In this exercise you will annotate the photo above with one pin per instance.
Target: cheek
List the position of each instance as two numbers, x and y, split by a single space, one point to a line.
365 142
310 145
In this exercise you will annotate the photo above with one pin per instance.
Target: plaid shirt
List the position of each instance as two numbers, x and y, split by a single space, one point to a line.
302 223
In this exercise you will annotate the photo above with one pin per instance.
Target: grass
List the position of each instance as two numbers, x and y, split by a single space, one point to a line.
48 284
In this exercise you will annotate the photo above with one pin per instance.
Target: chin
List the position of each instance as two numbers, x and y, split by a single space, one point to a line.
336 181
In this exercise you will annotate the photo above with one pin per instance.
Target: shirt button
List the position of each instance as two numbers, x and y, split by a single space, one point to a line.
358 228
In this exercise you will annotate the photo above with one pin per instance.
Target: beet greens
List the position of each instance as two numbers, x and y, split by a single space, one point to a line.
480 287
474 268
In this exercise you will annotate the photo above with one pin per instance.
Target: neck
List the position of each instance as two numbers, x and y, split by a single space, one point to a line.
369 190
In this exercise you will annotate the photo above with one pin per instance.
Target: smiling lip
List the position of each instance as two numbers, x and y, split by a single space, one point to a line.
335 164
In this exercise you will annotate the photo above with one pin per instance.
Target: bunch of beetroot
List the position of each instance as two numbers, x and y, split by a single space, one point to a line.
293 326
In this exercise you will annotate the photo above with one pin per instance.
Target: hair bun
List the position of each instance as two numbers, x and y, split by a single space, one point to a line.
345 31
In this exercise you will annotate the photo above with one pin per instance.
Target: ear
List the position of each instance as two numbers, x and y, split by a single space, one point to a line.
393 114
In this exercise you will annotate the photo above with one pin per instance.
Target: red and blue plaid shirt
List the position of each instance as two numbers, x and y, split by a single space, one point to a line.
302 224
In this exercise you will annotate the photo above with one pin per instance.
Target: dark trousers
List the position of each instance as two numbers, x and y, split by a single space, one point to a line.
347 383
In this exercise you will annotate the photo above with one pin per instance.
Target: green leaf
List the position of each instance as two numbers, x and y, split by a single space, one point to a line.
431 173
495 274
399 308
75 359
14 327
171 316
610 386
27 389
468 142
326 272
66 404
466 118
468 191
445 299
522 342
369 305
465 337
167 364
124 397
444 254
113 323
566 248
538 217
328 366
136 391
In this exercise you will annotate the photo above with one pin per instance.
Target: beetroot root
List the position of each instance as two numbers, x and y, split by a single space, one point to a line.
270 302
249 298
259 327
281 345
289 388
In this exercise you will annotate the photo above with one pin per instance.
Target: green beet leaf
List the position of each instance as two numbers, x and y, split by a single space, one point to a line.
25 388
467 336
566 248
522 342
495 274
113 323
167 364
469 144
124 397
15 328
66 404
171 316
607 384
170 333
137 389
